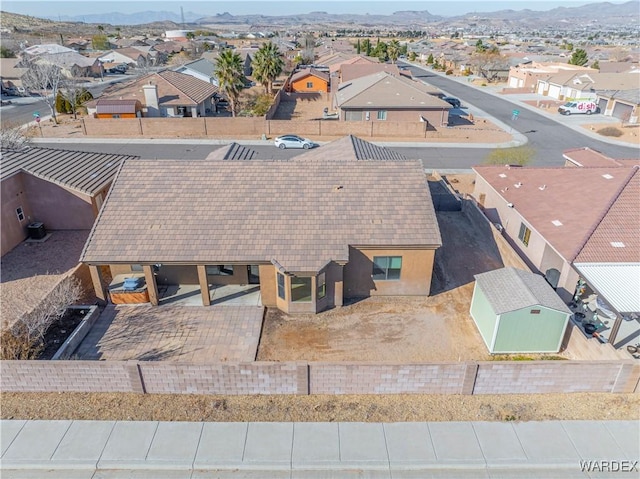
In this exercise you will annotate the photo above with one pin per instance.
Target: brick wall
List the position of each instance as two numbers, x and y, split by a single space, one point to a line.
547 377
363 378
222 378
302 128
174 127
71 376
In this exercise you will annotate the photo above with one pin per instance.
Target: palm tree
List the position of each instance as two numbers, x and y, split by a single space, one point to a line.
267 65
230 76
393 50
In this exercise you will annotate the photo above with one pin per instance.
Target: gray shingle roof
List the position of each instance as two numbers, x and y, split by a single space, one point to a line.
301 214
85 172
511 289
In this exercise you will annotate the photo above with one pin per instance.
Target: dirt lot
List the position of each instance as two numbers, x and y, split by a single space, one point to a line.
437 328
379 408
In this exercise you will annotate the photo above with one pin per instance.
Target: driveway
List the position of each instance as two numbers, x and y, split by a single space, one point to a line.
174 333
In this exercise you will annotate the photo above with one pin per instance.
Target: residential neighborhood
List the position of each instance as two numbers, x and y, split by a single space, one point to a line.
281 219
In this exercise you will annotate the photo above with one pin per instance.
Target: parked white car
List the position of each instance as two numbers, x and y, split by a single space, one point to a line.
294 141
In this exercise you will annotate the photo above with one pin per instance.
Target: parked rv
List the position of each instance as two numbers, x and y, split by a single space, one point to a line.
587 107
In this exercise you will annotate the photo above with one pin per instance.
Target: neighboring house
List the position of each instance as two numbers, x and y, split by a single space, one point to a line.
103 108
309 80
310 231
10 73
573 225
202 69
516 311
62 189
130 56
382 96
167 94
78 44
618 67
528 74
351 71
49 48
586 85
71 63
624 105
170 47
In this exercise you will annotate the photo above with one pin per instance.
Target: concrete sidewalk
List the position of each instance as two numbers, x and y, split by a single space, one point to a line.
189 450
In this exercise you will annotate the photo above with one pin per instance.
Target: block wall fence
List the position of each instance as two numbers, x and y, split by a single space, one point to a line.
301 378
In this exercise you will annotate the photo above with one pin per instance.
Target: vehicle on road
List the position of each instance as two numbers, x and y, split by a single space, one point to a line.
293 141
121 69
454 102
585 107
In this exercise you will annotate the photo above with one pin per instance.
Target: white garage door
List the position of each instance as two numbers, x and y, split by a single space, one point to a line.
554 91
513 82
541 88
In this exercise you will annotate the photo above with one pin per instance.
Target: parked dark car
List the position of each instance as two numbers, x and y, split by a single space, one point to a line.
454 102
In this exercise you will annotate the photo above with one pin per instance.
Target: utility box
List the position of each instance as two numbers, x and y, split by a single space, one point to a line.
36 230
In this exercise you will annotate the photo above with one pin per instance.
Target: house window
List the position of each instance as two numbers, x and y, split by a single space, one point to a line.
281 286
300 289
115 116
524 235
20 213
382 114
220 270
322 285
309 84
387 267
353 115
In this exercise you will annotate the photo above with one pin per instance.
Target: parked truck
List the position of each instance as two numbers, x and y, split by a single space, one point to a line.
579 106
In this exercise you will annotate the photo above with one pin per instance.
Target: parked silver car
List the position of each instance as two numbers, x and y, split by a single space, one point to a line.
294 141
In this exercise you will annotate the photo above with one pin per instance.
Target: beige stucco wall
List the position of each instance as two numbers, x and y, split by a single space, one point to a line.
415 275
268 290
435 117
13 196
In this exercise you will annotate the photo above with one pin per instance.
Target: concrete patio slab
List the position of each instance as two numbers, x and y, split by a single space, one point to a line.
36 442
409 443
276 451
315 445
627 435
174 333
221 444
455 442
593 440
48 474
364 444
546 442
498 442
84 442
9 429
175 443
128 444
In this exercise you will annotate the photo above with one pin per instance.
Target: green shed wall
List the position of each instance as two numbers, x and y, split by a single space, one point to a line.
523 332
483 315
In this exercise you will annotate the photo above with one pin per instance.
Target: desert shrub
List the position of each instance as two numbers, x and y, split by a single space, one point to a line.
520 155
449 72
610 131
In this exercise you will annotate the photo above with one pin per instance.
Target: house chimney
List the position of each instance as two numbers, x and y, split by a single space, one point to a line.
151 99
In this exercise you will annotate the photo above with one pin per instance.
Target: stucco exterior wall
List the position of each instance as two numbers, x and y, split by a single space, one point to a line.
434 117
483 315
317 84
57 207
13 196
268 285
415 275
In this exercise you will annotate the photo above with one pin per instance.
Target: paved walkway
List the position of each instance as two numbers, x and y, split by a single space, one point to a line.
188 450
174 333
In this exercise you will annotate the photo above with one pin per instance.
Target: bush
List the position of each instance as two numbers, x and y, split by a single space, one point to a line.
449 72
610 131
520 155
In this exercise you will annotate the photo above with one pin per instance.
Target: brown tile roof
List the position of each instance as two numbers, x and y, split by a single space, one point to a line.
173 89
309 72
616 239
588 158
85 172
301 214
357 70
351 148
383 90
232 151
576 197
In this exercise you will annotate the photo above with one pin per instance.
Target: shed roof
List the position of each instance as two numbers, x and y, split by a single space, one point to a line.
85 172
117 106
299 213
511 289
309 72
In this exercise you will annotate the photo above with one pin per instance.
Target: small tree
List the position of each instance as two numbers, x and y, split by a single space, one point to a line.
393 50
100 42
74 95
430 59
521 155
6 53
358 47
43 79
230 77
412 56
12 137
579 57
596 65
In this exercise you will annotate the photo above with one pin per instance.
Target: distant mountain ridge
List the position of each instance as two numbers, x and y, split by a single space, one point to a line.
603 13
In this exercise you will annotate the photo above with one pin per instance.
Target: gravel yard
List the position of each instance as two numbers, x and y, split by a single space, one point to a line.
382 408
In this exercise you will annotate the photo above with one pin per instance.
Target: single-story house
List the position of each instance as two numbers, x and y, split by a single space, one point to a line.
309 80
586 85
168 94
346 220
577 226
130 56
201 69
71 63
621 104
62 189
382 96
527 74
351 71
516 311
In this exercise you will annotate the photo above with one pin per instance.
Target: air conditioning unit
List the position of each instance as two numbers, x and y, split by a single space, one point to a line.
36 231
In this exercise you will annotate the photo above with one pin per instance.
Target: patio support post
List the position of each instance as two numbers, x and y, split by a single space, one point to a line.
152 287
338 296
96 279
204 285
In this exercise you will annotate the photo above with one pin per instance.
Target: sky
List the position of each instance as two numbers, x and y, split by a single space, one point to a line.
268 7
